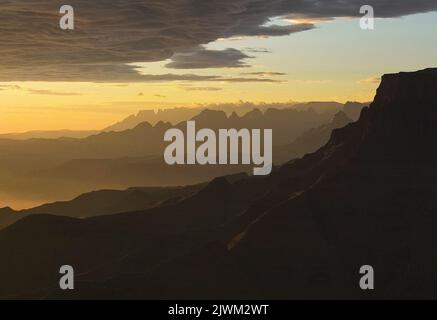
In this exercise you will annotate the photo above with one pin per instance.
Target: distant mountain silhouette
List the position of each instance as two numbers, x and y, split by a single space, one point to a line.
172 115
54 134
320 106
311 140
177 115
353 109
365 198
145 139
45 170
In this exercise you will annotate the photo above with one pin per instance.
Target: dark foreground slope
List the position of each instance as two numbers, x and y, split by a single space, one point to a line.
366 197
104 202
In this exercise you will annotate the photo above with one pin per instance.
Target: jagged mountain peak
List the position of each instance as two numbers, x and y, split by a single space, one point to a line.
400 122
255 113
210 114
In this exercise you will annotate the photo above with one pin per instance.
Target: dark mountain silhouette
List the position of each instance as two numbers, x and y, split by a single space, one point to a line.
75 177
365 198
139 239
105 202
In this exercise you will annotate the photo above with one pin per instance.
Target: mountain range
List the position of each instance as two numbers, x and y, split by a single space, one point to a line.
64 168
53 134
367 197
177 115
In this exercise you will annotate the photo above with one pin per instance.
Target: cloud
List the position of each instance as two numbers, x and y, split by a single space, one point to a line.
300 81
39 91
52 93
264 74
370 80
270 31
257 50
9 87
202 88
111 35
117 73
249 80
292 18
203 58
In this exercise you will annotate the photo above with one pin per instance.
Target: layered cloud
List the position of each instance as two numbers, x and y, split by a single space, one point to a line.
111 35
265 73
202 58
189 88
39 91
371 80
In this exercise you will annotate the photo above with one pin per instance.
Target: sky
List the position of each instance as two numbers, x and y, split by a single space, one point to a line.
133 54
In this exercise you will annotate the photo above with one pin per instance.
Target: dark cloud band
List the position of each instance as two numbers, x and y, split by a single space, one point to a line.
111 34
202 58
